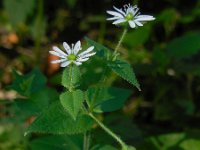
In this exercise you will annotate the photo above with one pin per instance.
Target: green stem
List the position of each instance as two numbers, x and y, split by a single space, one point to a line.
103 77
86 143
120 42
106 129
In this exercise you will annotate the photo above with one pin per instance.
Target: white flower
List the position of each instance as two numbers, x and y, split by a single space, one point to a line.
129 14
72 54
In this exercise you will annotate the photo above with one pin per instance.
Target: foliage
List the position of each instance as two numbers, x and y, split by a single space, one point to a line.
161 59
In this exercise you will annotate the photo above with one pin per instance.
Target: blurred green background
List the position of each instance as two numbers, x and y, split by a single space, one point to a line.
165 55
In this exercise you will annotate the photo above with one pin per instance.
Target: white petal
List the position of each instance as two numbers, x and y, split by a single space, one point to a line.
119 10
58 61
138 23
87 55
65 64
113 18
77 63
86 51
132 24
114 13
144 18
82 59
77 47
59 51
119 21
67 48
56 54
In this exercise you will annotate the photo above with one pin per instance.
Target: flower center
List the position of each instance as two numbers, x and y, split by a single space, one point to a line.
129 16
71 57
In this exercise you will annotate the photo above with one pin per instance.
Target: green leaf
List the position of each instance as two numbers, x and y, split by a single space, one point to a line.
71 77
124 70
105 147
55 120
72 102
37 102
18 10
56 142
106 99
29 83
190 144
184 46
101 50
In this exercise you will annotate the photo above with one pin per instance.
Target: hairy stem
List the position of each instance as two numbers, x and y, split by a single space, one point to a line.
120 41
106 129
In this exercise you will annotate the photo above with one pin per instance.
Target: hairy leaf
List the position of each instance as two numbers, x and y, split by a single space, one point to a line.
106 99
72 102
56 120
56 142
36 103
71 77
124 69
29 83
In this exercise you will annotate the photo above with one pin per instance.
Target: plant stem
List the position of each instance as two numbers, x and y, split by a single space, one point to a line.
106 129
105 71
86 144
120 41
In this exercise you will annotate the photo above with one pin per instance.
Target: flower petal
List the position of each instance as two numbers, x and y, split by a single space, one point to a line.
113 18
56 54
82 59
77 63
58 61
87 55
67 48
86 51
59 51
144 18
116 14
138 23
65 64
77 47
119 10
132 24
119 21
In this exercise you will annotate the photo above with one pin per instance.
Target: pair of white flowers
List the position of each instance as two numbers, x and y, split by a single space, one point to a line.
128 15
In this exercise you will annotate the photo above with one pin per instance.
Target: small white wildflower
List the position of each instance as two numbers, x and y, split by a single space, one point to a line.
129 14
72 54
